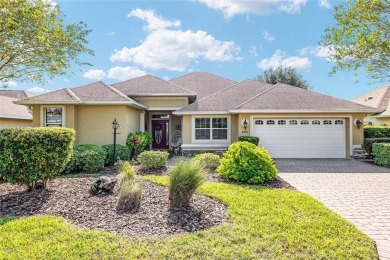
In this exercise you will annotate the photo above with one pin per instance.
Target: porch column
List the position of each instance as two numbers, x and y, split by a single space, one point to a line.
142 121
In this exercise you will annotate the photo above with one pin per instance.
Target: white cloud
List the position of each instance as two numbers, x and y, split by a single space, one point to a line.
318 51
253 50
154 21
125 73
231 8
279 59
38 90
9 84
267 36
324 3
94 74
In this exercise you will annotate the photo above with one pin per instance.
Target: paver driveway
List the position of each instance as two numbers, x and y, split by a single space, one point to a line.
358 191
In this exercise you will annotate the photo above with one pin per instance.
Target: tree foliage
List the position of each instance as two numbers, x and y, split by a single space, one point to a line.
284 75
360 37
34 42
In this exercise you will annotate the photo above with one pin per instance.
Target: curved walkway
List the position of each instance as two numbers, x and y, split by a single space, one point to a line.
358 191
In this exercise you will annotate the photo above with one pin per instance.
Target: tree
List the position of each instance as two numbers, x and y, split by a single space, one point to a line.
360 38
34 43
284 75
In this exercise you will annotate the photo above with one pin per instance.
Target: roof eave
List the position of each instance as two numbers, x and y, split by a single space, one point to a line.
16 117
290 111
160 94
130 103
200 112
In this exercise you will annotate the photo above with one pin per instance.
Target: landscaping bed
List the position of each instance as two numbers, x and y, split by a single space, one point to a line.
70 198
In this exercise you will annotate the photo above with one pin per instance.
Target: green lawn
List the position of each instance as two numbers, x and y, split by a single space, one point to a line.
263 223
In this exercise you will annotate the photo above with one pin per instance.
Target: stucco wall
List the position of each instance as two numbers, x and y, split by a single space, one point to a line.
377 121
10 123
36 115
163 102
132 120
186 127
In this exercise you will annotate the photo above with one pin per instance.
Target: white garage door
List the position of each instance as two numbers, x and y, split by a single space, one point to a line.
301 138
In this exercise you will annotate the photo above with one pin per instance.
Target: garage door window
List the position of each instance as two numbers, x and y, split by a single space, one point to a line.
339 122
327 122
211 128
304 122
259 122
281 122
293 122
316 122
270 122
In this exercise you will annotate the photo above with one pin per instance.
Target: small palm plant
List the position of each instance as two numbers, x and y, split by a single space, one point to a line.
184 179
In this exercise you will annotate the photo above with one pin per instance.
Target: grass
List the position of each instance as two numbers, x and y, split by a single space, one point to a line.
263 223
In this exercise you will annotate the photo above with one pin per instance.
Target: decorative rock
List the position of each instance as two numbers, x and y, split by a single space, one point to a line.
103 185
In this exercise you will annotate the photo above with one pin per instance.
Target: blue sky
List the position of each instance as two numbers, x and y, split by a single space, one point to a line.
229 38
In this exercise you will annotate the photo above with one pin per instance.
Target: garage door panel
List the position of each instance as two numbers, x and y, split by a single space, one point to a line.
303 141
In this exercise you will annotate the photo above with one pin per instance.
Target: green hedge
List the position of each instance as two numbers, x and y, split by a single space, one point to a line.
246 162
368 142
87 158
252 139
209 161
381 154
138 142
376 131
153 159
34 154
122 153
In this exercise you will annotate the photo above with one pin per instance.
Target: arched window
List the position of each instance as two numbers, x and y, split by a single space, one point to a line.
270 122
316 122
304 122
339 122
281 122
259 122
327 122
293 122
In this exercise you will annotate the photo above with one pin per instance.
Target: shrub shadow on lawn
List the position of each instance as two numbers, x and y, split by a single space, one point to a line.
23 203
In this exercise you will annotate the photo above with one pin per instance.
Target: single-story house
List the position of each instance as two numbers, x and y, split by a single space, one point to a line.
210 112
12 115
379 99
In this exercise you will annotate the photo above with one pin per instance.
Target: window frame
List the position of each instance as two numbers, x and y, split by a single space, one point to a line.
228 129
43 115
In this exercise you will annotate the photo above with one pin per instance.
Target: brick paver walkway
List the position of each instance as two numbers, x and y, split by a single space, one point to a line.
358 191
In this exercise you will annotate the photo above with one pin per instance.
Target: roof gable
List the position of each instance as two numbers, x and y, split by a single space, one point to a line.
203 83
19 94
149 85
11 110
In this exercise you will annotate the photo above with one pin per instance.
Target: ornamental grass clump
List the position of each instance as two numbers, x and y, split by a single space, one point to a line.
184 179
129 190
209 161
246 162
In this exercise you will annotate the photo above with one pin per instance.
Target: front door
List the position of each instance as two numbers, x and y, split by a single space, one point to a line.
160 134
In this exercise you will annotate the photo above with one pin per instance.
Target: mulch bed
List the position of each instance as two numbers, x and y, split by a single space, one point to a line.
70 198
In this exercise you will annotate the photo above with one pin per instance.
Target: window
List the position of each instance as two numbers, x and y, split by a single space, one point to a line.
327 122
211 129
270 122
281 122
293 122
52 116
316 122
304 122
259 122
339 122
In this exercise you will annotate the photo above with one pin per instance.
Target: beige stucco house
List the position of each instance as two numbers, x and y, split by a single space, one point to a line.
12 115
210 112
379 99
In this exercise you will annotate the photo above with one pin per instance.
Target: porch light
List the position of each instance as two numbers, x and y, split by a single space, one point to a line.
245 123
358 123
115 124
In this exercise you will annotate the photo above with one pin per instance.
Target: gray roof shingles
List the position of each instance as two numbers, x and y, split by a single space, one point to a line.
150 85
10 110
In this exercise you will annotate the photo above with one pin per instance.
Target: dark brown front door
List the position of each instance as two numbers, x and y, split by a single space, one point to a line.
160 134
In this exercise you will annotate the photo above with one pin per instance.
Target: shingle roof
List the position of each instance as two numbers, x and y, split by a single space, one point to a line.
97 92
10 110
251 95
378 98
203 83
149 85
21 94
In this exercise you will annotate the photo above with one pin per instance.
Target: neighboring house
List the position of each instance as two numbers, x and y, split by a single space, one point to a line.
210 111
12 115
379 99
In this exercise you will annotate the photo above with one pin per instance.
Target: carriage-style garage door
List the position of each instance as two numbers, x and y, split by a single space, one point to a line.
301 138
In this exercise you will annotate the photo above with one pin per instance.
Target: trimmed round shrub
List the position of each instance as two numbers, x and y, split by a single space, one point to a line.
153 159
33 155
381 154
87 158
209 161
184 179
138 142
246 162
122 153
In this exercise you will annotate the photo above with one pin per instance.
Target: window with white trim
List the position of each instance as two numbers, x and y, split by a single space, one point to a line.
270 122
293 122
316 122
211 128
304 122
339 122
53 116
327 122
281 122
259 122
